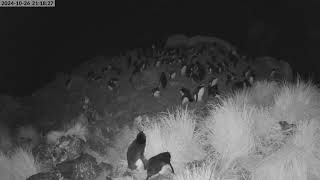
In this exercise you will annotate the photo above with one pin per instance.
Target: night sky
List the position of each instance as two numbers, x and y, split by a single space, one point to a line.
38 42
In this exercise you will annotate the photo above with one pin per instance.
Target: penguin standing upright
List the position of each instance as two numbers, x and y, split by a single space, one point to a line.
186 96
135 152
198 93
163 80
156 164
183 70
213 88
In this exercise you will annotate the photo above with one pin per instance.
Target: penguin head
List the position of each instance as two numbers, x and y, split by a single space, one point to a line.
141 138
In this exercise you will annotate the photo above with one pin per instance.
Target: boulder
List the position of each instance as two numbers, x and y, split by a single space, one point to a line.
84 167
68 148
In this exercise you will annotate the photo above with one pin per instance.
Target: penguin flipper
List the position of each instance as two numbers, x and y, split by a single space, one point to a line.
171 168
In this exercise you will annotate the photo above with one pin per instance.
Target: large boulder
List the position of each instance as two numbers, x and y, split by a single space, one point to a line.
66 148
84 167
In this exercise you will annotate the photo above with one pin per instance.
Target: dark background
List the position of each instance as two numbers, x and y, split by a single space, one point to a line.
38 42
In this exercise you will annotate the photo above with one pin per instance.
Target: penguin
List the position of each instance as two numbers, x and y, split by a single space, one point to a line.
156 165
163 80
129 61
247 72
156 92
213 90
135 152
157 63
68 82
186 95
220 67
172 75
137 69
249 81
112 83
183 70
214 82
198 93
273 73
107 69
230 78
210 67
200 71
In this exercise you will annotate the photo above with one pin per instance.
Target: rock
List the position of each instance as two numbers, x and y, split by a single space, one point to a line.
84 167
177 40
68 148
46 176
43 153
264 65
77 83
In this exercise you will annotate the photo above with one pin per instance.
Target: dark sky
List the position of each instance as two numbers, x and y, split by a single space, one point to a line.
37 42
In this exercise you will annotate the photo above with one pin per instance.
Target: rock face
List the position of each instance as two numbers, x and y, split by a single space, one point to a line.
84 167
264 65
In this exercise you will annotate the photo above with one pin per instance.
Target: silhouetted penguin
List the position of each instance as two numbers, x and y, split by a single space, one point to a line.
156 164
135 152
129 61
213 88
198 93
163 80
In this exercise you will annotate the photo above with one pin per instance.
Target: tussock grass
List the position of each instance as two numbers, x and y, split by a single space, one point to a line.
298 159
203 171
78 129
297 102
19 166
262 93
176 133
230 131
28 135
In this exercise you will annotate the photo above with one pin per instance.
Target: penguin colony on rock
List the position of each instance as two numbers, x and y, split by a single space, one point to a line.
220 61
